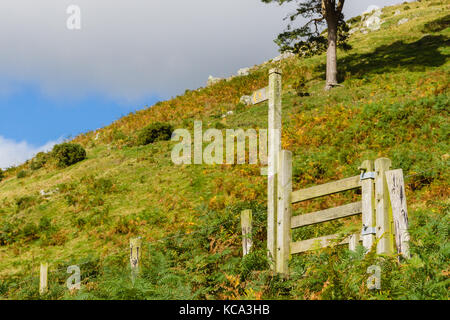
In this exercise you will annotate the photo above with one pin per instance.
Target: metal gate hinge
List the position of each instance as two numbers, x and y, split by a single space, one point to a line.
368 230
367 175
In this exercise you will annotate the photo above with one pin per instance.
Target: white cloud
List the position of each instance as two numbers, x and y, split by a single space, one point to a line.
131 49
13 153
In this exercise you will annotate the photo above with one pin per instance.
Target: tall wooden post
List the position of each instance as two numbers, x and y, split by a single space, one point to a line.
135 256
43 283
284 212
246 226
274 150
397 195
384 230
368 203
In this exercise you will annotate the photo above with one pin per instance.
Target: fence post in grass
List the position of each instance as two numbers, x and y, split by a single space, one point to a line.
135 256
397 195
353 242
384 221
246 225
274 128
368 203
284 212
43 283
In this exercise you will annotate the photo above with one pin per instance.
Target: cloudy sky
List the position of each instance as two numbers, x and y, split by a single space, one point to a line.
56 83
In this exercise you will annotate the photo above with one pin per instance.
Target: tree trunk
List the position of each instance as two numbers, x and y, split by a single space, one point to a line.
331 54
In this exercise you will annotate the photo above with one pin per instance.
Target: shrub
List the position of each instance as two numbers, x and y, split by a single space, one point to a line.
299 84
67 154
155 132
103 185
21 174
31 231
25 202
39 161
2 175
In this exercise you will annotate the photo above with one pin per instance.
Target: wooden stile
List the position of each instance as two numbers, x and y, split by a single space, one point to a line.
43 283
246 226
368 205
397 195
307 219
284 212
384 229
321 242
326 189
273 153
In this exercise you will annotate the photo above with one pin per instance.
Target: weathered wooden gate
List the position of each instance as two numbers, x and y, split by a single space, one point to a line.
380 188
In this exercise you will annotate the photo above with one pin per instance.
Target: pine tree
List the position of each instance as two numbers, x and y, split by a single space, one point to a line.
309 39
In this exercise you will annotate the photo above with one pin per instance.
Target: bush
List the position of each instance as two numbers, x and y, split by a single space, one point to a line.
39 161
103 185
25 202
155 132
21 174
67 154
2 175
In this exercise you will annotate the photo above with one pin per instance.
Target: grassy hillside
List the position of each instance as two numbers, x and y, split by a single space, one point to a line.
393 103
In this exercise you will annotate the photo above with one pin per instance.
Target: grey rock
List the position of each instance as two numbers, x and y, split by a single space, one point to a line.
397 12
402 21
373 23
243 72
283 56
246 100
212 80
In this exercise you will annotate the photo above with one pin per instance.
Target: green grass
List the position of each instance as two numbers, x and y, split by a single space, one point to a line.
393 103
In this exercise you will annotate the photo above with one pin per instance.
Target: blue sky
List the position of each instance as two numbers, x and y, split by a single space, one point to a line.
36 118
128 54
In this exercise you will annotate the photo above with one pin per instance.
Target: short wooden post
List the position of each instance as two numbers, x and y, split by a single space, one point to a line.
43 283
284 212
353 242
384 221
397 195
135 256
368 203
246 226
274 134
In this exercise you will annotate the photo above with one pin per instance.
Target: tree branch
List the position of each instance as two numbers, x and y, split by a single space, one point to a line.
315 23
340 6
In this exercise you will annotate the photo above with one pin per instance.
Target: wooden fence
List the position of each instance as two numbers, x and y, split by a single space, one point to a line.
382 206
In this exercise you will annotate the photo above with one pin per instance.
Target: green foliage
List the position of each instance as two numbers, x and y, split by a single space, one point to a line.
308 40
25 202
103 185
67 154
22 174
254 261
155 132
300 83
437 25
39 161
